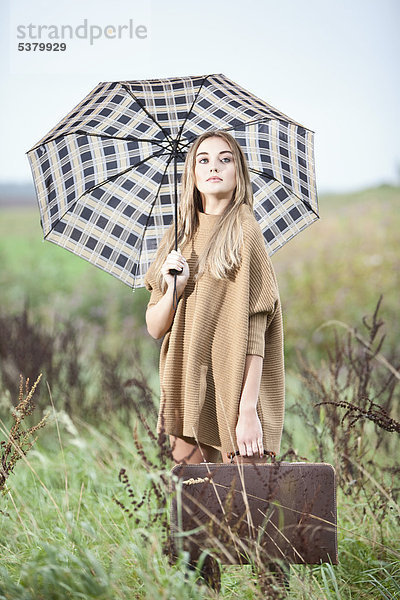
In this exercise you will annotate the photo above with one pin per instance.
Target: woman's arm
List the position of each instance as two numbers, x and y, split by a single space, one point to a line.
251 382
248 429
160 316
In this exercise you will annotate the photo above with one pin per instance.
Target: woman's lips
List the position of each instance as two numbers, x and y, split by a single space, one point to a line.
214 179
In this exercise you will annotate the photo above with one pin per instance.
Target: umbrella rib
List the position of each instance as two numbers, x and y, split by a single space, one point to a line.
266 119
193 103
102 183
129 138
100 135
147 113
152 206
265 176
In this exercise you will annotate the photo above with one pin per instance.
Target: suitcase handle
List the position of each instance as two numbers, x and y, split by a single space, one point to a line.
270 453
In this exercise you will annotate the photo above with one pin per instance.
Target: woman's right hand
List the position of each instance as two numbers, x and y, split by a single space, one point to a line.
175 260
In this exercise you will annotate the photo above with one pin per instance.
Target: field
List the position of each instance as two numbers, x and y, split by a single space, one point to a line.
63 530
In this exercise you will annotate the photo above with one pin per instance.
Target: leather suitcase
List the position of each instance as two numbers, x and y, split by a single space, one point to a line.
289 508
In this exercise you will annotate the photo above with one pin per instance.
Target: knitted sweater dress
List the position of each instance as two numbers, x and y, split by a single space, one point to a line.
203 353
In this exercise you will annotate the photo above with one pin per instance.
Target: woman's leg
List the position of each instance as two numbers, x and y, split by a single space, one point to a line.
187 453
183 451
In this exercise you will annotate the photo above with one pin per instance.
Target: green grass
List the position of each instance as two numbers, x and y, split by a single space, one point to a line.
61 533
64 536
334 269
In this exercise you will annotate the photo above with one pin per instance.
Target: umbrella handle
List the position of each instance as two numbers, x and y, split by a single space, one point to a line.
175 272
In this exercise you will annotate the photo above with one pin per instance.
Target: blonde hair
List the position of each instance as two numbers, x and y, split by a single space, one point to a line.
222 254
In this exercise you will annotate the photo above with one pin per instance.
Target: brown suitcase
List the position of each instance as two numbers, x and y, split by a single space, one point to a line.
290 508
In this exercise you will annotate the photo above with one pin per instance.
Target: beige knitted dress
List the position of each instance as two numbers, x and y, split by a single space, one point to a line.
203 353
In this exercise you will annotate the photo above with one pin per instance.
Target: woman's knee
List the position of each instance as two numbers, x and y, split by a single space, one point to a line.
183 451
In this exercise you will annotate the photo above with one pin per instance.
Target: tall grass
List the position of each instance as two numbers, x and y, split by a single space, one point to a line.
65 524
65 534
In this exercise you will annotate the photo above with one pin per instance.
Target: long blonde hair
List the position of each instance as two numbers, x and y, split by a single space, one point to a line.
222 254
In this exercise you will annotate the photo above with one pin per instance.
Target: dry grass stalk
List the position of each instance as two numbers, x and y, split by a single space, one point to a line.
360 380
19 440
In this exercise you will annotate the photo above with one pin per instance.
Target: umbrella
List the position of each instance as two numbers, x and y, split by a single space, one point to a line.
107 175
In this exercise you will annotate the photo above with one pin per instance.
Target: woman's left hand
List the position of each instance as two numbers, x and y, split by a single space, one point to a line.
249 435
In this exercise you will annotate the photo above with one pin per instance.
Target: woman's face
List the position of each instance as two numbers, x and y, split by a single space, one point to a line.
215 169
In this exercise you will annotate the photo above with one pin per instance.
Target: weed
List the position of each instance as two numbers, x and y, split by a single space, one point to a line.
19 441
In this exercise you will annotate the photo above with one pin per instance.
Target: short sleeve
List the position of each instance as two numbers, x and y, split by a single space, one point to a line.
256 337
151 285
263 292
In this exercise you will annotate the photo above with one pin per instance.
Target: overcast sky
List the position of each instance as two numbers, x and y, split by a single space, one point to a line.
331 66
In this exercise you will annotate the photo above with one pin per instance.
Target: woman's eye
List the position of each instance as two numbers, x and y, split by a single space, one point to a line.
225 158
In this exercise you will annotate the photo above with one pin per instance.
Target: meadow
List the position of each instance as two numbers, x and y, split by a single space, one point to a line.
64 532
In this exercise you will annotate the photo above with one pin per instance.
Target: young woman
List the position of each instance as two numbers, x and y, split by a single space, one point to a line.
221 360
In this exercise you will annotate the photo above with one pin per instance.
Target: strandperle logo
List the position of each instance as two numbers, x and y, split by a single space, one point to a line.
81 32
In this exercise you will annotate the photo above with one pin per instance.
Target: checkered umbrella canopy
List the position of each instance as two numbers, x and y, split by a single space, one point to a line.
107 175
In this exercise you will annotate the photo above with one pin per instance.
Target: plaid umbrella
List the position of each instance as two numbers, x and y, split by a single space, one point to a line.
107 175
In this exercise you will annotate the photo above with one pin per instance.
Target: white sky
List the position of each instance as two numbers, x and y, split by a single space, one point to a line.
330 65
